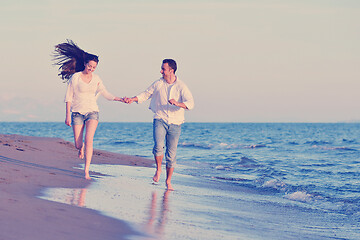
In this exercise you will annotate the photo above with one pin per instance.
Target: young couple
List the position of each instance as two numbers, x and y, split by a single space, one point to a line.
170 97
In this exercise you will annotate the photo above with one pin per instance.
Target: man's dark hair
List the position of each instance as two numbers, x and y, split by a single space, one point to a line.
171 64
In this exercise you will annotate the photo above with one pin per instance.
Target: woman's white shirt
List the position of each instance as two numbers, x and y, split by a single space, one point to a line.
83 96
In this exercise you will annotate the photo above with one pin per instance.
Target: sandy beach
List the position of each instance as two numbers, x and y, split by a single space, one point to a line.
30 164
219 192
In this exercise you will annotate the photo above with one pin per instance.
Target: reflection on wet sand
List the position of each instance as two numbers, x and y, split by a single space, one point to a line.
77 197
158 218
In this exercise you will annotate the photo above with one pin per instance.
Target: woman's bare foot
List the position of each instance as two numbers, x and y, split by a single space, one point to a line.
156 177
87 176
81 152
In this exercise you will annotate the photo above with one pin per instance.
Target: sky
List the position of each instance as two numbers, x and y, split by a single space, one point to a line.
243 60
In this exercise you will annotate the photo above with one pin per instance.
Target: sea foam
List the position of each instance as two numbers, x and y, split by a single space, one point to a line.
300 196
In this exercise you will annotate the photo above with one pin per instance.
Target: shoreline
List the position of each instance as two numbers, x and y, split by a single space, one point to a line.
30 164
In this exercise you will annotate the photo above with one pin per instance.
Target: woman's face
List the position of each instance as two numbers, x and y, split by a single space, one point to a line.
90 67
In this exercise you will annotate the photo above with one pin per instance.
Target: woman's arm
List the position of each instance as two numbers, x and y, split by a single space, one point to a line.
102 90
119 99
68 114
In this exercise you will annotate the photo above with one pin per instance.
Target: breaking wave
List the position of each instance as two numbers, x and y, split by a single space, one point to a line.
219 146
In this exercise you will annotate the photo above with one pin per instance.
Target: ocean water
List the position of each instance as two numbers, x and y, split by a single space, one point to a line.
233 180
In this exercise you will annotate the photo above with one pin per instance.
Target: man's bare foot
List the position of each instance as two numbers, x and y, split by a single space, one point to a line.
87 176
156 177
81 152
169 187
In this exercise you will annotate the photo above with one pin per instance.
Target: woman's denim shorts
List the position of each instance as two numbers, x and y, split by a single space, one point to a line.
80 119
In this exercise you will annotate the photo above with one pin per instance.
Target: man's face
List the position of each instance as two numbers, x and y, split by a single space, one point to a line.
166 71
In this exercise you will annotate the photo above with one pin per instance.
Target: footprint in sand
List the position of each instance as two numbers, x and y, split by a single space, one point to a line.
12 200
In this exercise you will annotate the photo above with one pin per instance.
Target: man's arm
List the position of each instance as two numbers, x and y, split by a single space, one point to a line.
187 99
178 104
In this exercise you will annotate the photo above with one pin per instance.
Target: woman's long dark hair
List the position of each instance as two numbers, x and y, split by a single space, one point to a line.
71 59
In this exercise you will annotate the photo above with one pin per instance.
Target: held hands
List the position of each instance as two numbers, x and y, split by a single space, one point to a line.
119 99
135 99
126 99
130 100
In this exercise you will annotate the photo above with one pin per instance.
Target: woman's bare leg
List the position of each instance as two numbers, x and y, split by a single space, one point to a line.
91 126
78 139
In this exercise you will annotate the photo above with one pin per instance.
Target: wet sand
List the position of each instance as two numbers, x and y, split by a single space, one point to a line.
30 164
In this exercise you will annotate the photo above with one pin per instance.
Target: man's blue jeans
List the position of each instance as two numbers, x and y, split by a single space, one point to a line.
169 133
